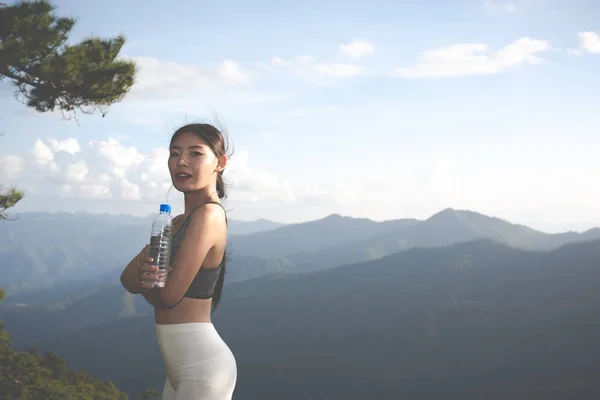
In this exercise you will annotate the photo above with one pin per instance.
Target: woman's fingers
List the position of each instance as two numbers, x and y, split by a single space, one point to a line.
147 284
148 267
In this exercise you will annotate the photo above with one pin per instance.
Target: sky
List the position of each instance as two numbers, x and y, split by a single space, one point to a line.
378 109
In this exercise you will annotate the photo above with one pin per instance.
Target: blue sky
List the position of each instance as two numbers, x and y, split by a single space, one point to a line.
373 109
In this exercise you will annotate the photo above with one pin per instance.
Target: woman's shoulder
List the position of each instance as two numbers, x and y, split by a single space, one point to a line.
177 219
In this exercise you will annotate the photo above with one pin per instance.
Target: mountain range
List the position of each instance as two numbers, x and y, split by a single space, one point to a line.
46 254
460 305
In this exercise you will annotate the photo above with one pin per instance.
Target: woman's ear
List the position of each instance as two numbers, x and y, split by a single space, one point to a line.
222 163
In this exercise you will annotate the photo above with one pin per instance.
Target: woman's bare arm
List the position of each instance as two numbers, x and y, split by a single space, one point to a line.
130 277
203 232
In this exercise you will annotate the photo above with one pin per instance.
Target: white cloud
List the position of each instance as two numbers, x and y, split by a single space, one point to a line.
253 184
121 158
231 73
589 42
406 188
43 157
106 169
357 49
171 79
321 72
307 67
69 145
94 191
475 59
77 172
129 191
11 166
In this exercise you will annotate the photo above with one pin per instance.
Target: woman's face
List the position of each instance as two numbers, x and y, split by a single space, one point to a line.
192 164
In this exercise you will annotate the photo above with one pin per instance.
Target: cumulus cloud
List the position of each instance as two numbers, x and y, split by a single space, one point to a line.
589 42
475 59
76 172
357 48
43 158
120 158
254 185
69 145
108 169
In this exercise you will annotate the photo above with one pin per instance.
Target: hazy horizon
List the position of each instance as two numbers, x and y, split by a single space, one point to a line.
179 209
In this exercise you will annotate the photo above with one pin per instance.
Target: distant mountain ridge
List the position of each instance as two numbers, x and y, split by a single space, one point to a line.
314 235
46 251
41 250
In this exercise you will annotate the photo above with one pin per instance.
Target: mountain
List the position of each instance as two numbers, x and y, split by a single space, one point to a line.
468 321
67 308
29 375
237 227
48 256
88 307
441 229
332 230
44 250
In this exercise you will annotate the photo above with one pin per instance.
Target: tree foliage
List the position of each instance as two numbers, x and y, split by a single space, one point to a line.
51 74
8 199
32 376
149 394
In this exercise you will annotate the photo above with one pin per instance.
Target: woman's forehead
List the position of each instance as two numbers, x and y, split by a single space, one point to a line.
188 140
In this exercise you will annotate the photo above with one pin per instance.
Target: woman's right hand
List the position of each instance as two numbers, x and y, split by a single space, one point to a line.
147 273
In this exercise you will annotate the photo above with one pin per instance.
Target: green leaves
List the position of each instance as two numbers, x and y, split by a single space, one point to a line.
8 199
50 74
28 375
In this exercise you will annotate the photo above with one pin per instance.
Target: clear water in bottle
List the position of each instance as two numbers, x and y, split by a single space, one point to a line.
160 243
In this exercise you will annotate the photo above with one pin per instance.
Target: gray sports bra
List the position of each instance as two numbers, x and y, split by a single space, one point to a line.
203 285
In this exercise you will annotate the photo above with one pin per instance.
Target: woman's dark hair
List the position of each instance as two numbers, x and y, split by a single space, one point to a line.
216 140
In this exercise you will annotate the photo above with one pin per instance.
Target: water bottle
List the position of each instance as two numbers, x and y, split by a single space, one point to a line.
160 243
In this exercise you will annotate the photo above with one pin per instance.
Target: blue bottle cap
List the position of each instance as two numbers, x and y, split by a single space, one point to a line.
165 208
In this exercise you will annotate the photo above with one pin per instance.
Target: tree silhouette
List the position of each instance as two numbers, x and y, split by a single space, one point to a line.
50 75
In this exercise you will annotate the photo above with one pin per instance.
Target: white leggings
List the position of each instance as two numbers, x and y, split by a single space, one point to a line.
198 363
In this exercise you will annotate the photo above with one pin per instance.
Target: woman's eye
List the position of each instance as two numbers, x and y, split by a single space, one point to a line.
173 155
196 153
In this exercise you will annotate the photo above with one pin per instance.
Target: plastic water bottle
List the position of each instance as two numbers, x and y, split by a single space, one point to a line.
160 243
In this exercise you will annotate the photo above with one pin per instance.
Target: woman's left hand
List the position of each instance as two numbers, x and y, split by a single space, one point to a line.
148 273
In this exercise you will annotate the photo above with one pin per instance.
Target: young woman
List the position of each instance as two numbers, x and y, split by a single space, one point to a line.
198 363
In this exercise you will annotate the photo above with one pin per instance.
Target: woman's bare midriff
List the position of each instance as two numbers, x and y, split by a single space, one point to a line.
188 310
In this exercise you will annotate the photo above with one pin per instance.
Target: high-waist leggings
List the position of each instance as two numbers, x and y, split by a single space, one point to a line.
198 363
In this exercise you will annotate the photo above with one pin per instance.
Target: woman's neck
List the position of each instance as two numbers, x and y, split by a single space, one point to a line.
198 198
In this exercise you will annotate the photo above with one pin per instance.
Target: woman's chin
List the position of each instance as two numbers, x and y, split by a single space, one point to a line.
184 188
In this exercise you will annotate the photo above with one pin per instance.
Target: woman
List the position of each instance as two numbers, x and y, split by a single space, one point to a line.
198 363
